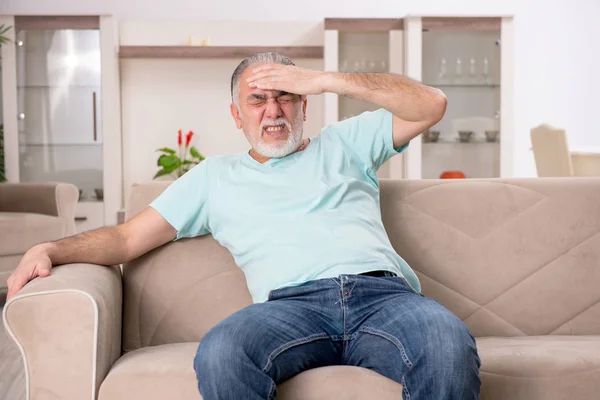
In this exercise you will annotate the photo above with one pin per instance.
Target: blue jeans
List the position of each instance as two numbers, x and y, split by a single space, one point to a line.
379 323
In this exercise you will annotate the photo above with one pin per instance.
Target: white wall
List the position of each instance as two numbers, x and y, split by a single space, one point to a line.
556 51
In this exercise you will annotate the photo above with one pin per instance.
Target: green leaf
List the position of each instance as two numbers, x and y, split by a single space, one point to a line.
167 150
3 30
194 152
161 173
173 167
167 161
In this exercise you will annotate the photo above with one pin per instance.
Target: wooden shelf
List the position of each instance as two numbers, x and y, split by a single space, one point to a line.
364 24
57 22
462 23
294 52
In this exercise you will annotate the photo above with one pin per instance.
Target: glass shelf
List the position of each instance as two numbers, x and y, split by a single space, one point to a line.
464 85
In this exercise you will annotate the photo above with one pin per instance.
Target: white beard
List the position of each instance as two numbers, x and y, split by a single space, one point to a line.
280 149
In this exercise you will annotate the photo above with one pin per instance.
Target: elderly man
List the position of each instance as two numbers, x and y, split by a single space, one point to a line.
301 218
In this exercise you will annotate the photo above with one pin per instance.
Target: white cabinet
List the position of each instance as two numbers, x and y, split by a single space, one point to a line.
61 103
58 91
469 58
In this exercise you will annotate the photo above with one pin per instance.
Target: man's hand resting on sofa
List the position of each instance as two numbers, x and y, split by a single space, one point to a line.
35 262
110 245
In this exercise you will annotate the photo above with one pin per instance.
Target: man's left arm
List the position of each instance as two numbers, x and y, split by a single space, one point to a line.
415 106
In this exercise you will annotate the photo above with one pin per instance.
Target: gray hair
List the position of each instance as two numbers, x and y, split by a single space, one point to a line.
260 58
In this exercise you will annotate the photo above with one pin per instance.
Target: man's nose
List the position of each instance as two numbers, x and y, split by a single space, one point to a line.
273 110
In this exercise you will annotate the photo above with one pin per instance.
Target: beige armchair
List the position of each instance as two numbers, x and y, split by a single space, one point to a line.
31 213
518 260
553 158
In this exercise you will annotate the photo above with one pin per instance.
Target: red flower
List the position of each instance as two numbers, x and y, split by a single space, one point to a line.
179 138
188 138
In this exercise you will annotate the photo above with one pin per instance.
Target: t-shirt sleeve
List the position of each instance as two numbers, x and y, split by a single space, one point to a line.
184 204
369 137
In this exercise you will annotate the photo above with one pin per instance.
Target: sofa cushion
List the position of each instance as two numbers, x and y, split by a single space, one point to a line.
24 230
167 372
540 367
548 367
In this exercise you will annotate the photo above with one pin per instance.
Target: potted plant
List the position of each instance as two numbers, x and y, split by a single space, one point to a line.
178 161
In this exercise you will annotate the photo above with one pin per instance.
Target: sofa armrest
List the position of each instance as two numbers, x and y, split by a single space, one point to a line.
68 329
51 198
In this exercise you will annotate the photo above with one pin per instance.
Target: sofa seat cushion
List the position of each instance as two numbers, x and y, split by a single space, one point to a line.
20 231
540 367
167 372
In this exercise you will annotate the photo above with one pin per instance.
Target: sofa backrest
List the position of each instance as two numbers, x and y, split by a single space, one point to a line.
508 256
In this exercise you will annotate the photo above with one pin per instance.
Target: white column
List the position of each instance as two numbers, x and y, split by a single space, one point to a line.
507 98
413 41
396 66
330 61
111 119
9 102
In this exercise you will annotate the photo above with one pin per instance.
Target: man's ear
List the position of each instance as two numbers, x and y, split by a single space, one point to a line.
304 103
235 113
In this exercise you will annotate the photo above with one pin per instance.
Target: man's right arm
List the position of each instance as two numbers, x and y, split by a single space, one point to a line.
105 246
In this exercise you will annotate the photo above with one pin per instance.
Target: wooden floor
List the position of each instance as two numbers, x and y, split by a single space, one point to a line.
12 377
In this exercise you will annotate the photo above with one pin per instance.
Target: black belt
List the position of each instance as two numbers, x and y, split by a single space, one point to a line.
379 273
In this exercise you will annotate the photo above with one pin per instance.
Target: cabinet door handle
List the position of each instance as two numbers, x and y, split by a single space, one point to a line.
80 218
95 116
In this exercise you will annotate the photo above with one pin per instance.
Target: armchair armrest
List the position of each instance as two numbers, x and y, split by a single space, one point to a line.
57 199
68 329
586 163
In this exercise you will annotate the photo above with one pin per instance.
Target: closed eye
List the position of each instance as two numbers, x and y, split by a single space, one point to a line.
256 102
285 99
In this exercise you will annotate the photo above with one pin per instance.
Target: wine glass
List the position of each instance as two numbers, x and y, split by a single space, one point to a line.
472 69
344 66
458 69
383 66
443 72
485 72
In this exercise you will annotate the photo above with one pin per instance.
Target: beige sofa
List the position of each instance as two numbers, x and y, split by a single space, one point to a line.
518 260
31 213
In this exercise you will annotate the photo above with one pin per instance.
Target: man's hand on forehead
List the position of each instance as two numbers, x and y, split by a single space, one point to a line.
287 78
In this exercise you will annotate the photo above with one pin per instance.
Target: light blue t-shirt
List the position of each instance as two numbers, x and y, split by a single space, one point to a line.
310 215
